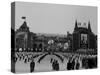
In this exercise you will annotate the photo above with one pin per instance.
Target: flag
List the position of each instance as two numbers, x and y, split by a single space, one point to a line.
23 17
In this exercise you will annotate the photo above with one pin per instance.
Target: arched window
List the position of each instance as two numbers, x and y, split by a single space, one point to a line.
34 47
40 46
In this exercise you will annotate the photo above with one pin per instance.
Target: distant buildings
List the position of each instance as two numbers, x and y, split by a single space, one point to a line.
81 38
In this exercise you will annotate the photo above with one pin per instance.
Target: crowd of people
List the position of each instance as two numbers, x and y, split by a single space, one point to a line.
73 63
55 64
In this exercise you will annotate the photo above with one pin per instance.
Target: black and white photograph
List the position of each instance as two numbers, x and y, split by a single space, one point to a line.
53 37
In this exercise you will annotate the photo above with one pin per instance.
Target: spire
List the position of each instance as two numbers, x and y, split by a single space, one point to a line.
24 25
89 27
76 25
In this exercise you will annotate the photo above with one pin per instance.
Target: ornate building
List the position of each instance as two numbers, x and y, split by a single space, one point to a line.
23 37
83 37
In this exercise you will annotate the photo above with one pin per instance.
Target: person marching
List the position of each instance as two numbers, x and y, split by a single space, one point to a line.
32 66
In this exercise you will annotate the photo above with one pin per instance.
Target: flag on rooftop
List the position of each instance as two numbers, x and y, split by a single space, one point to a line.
23 17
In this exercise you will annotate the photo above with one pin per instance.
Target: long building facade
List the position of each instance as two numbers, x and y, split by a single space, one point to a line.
81 38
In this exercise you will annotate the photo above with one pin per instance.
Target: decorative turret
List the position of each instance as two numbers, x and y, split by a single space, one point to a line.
24 26
89 27
76 27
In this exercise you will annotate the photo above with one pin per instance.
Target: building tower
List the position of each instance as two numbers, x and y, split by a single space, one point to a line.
89 27
22 35
76 27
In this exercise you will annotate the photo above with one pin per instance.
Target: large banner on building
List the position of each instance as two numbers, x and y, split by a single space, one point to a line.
84 40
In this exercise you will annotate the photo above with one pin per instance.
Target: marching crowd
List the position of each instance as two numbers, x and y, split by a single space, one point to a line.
73 63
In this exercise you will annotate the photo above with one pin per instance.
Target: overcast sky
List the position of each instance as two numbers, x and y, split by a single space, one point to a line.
54 18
